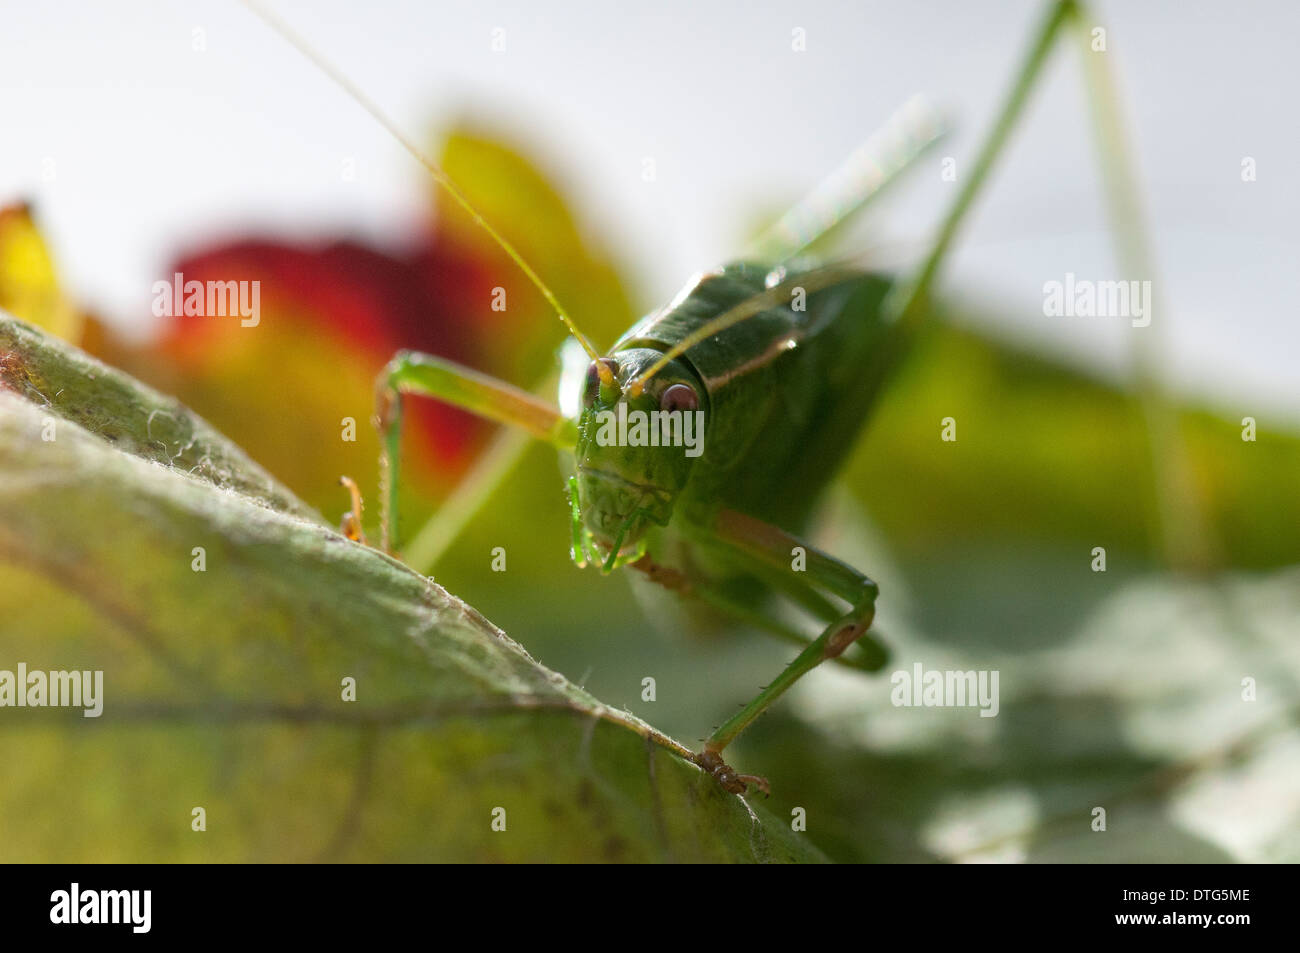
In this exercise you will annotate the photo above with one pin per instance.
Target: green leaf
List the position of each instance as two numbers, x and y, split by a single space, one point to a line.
135 419
223 682
1045 452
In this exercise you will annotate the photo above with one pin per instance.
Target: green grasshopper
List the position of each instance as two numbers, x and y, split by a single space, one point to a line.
782 359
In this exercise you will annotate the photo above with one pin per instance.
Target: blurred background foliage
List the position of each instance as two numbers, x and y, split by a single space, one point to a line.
1120 689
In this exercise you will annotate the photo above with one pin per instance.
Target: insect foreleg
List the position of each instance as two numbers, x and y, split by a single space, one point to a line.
772 547
727 603
428 376
792 584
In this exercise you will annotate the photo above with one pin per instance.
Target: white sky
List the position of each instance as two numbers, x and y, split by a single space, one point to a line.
157 148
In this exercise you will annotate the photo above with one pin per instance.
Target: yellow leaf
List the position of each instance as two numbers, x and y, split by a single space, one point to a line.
29 286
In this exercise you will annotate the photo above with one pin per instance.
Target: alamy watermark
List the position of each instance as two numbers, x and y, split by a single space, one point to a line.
208 299
656 428
945 689
75 905
55 689
1084 298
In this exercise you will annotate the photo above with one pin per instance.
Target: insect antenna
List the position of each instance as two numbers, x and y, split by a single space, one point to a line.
439 176
903 303
913 129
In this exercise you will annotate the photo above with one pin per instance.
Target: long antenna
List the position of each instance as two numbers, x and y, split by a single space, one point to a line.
860 179
910 131
441 177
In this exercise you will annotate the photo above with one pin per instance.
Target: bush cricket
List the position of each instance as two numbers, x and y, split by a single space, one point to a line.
780 359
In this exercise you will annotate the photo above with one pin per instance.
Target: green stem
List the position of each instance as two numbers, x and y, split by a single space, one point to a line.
1177 523
903 303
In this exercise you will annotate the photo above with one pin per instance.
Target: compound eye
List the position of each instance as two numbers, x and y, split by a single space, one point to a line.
679 397
592 387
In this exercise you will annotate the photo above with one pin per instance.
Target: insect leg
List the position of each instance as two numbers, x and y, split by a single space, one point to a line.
724 602
905 305
772 546
908 134
906 301
428 376
792 584
431 541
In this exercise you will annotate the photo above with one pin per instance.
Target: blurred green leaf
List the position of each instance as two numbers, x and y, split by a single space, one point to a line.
1046 452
